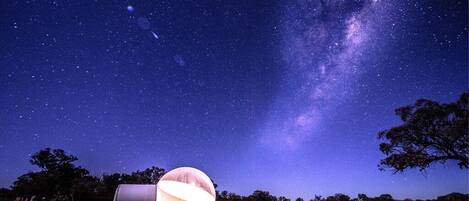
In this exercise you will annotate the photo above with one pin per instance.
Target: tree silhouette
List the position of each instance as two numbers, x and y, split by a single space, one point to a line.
384 197
281 198
317 198
6 194
51 160
261 196
227 196
338 197
148 176
58 179
363 197
430 132
453 197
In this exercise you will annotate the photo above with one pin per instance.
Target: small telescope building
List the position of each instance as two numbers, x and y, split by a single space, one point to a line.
180 184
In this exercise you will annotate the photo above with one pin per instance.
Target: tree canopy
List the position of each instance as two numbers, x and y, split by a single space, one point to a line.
59 178
430 132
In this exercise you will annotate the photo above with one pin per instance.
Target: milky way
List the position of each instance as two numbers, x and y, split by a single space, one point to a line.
323 46
285 97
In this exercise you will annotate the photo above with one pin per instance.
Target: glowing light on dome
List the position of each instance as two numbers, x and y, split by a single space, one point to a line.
185 183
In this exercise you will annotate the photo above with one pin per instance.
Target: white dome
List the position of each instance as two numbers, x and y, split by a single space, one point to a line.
185 183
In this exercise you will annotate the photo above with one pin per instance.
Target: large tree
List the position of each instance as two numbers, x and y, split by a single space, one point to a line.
59 178
430 132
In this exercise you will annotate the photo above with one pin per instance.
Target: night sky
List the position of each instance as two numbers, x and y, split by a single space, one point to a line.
281 96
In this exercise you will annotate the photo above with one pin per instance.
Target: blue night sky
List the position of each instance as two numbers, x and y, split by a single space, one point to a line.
286 97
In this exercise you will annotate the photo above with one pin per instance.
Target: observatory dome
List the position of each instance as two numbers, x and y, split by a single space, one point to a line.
185 183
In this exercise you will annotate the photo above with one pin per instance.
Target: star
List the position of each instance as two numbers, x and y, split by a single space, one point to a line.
130 8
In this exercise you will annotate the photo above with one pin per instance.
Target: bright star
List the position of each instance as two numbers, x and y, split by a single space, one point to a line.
130 8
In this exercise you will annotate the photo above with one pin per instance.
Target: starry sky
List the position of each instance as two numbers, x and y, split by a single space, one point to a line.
283 96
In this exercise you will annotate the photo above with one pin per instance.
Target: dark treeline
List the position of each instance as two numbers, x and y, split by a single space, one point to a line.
265 196
61 180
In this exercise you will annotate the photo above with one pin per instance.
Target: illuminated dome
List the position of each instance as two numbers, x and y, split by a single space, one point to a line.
185 183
